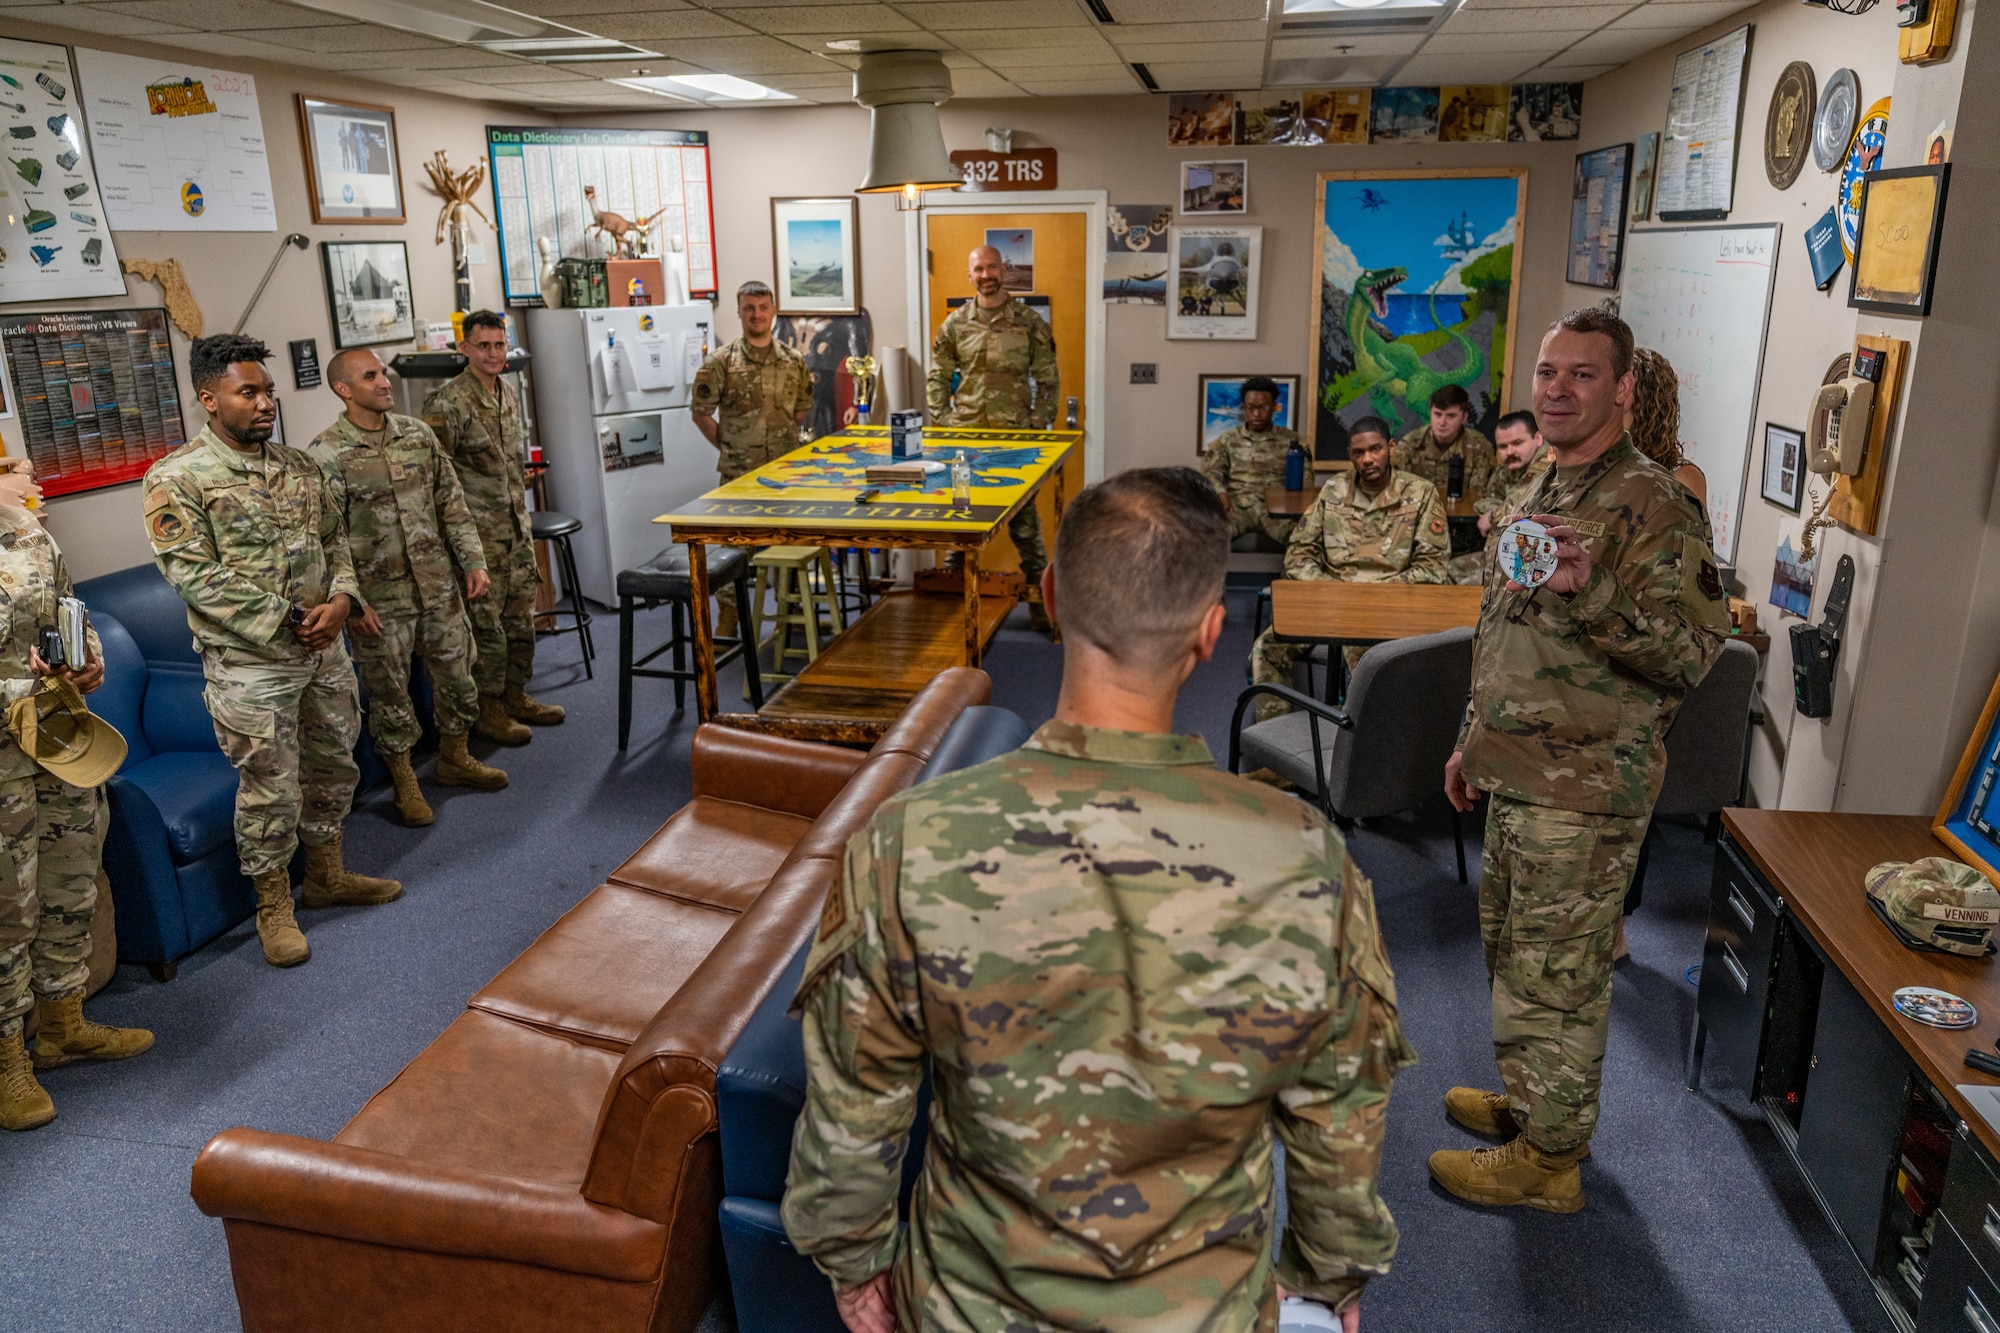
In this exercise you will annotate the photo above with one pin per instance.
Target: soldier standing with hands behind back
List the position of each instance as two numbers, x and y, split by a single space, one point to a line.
1005 357
750 398
248 534
1574 685
480 429
407 525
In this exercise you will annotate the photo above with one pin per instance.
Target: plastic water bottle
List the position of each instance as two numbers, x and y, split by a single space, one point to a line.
961 482
1295 467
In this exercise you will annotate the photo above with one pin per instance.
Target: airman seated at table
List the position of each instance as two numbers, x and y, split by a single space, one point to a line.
1372 525
1244 460
1429 450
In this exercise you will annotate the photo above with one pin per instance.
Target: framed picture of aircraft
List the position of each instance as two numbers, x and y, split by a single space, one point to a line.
816 255
1214 293
1419 279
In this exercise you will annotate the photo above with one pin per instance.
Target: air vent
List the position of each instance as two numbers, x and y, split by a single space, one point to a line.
1146 77
1098 11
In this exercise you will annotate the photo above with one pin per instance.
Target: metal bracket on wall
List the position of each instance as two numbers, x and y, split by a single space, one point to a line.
297 240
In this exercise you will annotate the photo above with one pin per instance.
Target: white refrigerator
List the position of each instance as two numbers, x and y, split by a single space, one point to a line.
612 394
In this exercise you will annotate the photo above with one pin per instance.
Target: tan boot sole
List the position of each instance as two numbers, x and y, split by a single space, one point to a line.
510 737
421 819
540 719
313 899
1510 1198
1496 1131
288 962
451 775
58 1059
28 1122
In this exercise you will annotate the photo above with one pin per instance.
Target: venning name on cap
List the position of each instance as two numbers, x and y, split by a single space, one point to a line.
1978 916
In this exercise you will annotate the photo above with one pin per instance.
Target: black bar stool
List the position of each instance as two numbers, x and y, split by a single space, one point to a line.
556 528
665 578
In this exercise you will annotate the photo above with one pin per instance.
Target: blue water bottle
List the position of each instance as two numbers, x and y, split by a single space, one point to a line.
1295 467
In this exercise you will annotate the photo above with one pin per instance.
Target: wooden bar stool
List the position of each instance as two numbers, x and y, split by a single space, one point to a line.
800 579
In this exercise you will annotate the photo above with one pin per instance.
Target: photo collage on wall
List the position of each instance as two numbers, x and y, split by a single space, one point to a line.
1452 113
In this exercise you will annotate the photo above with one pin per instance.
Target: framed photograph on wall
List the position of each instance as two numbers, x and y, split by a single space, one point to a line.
1215 187
1968 820
354 170
1215 282
1784 466
368 292
1597 215
816 255
1645 169
1895 260
1222 406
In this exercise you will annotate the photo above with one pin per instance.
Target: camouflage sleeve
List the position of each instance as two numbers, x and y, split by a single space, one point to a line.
184 549
804 403
864 1063
1663 613
944 363
1430 550
1306 548
333 540
1339 1232
709 384
1401 451
1479 462
1215 466
1048 379
460 532
446 422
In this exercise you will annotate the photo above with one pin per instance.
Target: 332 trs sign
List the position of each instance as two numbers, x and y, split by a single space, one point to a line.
1024 169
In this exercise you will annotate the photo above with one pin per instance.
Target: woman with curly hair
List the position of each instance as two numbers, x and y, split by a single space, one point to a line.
1655 419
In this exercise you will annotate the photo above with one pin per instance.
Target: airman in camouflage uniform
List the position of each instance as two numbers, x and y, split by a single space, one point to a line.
409 533
1129 973
1241 465
1507 490
1004 355
249 535
1421 452
51 836
1572 695
479 426
1397 535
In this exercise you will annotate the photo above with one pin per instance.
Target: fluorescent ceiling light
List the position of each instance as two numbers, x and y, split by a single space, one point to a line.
1323 6
729 88
446 20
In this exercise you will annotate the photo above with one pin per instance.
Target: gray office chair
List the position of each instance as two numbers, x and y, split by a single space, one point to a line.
1385 750
1706 747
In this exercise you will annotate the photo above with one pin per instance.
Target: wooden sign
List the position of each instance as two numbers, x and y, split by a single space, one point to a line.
1023 169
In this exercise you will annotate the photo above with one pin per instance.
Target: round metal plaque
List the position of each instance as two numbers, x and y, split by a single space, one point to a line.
1788 128
1833 126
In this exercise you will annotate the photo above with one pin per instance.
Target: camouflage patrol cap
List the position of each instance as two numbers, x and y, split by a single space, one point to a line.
1937 905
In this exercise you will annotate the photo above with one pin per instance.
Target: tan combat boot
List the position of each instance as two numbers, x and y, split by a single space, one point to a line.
1516 1172
726 623
495 724
23 1103
329 883
520 704
1482 1112
410 803
284 943
457 768
64 1036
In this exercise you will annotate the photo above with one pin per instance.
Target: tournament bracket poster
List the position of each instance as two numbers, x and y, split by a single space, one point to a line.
658 179
95 393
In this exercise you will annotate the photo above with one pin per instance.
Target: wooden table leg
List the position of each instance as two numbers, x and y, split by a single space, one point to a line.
972 608
705 694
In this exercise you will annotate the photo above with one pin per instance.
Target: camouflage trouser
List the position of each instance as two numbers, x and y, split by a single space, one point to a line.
50 836
1251 516
1549 900
503 621
445 641
1272 662
290 728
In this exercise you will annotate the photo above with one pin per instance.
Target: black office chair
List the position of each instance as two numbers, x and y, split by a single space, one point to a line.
556 528
666 578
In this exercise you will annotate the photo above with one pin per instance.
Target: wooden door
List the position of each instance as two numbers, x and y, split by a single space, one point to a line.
1061 273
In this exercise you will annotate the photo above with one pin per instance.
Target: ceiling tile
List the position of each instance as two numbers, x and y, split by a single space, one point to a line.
566 10
1242 30
1617 47
1190 51
643 25
1385 44
529 73
1684 17
445 59
748 56
1500 67
860 18
85 18
952 15
351 37
1478 6
914 38
1566 73
1005 39
1478 43
1184 11
982 83
1555 19
1084 88
230 16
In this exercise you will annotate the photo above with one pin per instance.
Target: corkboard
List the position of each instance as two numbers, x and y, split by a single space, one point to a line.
1857 500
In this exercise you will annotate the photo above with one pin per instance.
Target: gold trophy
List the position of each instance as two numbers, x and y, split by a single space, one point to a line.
863 370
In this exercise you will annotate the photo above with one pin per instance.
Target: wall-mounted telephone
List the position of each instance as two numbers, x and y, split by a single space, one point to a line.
1837 426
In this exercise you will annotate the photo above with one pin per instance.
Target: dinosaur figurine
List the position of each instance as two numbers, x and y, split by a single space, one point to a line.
181 308
459 190
1387 369
625 237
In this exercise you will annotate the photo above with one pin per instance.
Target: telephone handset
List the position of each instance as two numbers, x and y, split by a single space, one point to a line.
1837 426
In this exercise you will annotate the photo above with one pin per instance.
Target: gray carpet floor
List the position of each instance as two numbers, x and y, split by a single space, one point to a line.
1695 1220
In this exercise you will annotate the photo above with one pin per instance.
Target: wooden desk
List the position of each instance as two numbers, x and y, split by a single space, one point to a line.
1369 612
1281 503
1797 975
808 498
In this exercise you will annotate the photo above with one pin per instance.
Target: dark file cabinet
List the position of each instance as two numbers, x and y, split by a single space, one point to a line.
1959 1296
1736 968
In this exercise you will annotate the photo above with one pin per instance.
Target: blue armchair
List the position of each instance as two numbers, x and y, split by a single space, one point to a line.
760 1090
170 851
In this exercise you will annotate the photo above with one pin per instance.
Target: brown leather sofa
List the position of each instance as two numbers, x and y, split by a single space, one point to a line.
551 1161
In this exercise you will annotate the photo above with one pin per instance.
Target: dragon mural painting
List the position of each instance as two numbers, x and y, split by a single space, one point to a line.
1417 276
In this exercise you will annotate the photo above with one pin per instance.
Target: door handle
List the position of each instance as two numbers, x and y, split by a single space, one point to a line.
1742 909
1741 976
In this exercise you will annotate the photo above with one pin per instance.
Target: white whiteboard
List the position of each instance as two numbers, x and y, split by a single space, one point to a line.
1701 297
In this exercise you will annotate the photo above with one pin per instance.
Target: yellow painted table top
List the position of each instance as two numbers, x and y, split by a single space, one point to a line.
813 487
